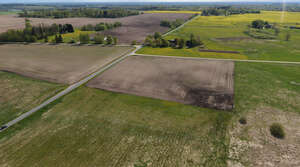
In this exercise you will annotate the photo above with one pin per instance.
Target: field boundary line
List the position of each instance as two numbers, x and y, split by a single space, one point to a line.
67 90
215 59
182 25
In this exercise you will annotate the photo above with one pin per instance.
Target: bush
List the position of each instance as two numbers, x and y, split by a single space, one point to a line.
277 131
84 38
243 120
99 39
109 40
115 40
133 43
288 36
72 41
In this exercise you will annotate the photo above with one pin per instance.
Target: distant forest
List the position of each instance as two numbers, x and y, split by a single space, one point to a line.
81 12
226 11
131 7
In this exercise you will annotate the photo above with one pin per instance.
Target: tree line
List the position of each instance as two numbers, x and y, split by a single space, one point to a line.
81 12
33 33
101 26
171 24
157 40
226 11
98 39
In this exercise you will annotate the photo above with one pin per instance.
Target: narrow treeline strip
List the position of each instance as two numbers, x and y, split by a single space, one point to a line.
101 26
80 12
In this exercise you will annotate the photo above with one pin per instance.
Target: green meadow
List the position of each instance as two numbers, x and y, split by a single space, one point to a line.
19 94
229 33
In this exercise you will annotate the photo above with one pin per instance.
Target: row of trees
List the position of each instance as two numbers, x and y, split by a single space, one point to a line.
33 33
81 12
98 39
158 41
226 11
101 26
171 24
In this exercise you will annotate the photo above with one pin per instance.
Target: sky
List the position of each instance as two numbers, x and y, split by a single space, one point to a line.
28 1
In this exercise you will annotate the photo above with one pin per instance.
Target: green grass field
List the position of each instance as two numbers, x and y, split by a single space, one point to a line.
19 94
70 36
90 127
211 28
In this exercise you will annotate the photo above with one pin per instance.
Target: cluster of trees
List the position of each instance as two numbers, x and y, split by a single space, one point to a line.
98 39
260 30
101 26
158 41
171 24
81 12
260 24
33 33
226 11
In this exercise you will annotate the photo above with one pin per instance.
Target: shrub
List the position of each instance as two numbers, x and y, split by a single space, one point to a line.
115 40
72 41
84 38
288 36
133 43
243 120
99 39
277 131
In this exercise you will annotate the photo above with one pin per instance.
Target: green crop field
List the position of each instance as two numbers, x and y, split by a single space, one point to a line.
229 33
90 127
19 94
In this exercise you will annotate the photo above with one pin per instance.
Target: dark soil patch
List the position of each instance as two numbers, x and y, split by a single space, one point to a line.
218 51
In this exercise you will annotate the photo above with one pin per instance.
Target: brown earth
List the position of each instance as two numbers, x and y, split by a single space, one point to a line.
57 63
134 27
196 82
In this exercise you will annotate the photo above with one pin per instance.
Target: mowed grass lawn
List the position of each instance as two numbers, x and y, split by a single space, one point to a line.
210 28
90 127
19 94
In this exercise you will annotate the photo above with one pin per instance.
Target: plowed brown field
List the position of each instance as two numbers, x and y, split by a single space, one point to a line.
196 82
57 63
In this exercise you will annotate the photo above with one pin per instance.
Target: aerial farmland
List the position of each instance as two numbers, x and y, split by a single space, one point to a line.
149 85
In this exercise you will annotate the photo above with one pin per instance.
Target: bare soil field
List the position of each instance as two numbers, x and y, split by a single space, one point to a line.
195 82
57 63
134 27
